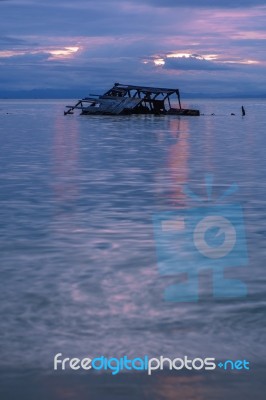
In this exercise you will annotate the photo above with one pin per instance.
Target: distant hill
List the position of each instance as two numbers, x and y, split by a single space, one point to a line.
83 92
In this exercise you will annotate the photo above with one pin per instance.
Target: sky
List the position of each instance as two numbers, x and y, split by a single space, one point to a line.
63 48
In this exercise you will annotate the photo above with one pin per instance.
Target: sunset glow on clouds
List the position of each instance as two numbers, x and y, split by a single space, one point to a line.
211 60
209 47
63 53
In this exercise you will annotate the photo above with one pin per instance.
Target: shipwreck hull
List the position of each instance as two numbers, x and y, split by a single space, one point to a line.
184 111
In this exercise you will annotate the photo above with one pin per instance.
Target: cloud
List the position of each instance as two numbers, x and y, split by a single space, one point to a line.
118 40
156 3
193 62
10 40
205 3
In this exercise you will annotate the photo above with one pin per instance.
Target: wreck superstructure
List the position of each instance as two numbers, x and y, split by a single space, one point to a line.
129 99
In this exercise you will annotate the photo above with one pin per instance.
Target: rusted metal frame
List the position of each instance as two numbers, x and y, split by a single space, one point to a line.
72 108
169 102
158 94
149 100
179 100
132 87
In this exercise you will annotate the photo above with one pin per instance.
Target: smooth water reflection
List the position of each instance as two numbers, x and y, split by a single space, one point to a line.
79 266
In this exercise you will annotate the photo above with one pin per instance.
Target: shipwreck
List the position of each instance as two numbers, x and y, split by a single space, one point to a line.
130 99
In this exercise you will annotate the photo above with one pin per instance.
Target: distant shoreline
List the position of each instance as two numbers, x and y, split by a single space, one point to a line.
184 97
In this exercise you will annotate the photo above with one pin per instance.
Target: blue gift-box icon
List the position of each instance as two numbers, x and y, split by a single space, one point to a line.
188 241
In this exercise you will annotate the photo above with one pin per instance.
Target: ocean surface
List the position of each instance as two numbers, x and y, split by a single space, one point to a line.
80 273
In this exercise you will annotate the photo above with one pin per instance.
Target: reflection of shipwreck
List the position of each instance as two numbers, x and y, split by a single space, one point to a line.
128 99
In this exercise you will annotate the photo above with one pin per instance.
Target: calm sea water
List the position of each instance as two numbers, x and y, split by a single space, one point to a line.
79 272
